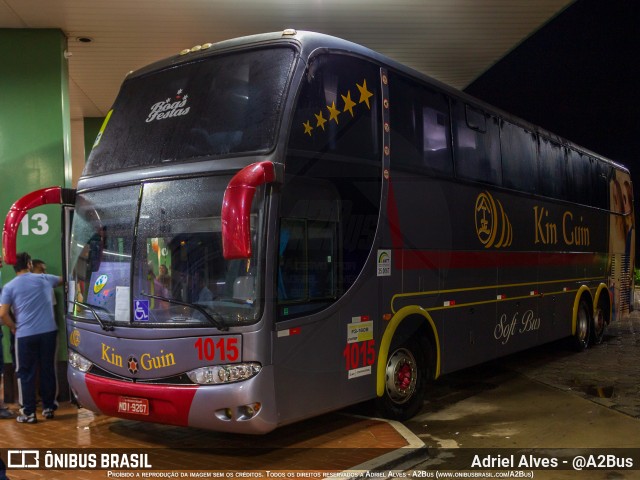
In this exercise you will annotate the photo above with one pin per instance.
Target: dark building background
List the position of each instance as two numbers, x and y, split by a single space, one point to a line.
578 77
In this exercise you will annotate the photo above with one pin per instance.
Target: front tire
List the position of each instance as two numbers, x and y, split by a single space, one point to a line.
406 375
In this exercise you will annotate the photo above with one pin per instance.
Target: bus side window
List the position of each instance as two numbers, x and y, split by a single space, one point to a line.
553 166
476 140
306 266
420 131
580 175
600 174
292 261
519 149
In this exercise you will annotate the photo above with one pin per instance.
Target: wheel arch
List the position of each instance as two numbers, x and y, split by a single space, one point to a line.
428 328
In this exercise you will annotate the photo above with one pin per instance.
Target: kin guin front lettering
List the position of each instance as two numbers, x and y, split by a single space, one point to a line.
147 360
572 229
168 108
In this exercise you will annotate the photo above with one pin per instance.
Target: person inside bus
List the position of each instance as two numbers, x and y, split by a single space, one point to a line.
204 295
154 287
163 277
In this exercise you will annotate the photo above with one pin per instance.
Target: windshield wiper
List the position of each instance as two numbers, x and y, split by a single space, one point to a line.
213 317
107 327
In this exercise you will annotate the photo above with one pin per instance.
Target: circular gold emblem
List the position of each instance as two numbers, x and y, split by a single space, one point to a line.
492 220
74 338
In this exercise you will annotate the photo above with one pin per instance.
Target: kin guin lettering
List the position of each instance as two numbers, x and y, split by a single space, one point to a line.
147 360
574 232
168 108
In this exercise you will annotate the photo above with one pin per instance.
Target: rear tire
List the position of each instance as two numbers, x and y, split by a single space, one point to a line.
584 322
598 326
406 375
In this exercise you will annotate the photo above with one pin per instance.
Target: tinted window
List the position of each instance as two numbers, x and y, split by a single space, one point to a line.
337 110
309 257
519 158
579 186
221 105
331 197
601 175
553 169
420 130
476 139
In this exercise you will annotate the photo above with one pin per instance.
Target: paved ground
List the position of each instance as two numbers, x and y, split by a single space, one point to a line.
333 442
545 399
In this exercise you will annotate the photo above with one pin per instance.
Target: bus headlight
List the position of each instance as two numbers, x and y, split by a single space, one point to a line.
78 362
217 374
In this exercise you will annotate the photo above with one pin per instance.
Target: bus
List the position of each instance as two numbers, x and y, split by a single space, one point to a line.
278 226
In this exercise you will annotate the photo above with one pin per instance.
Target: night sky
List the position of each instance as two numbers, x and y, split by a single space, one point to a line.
578 77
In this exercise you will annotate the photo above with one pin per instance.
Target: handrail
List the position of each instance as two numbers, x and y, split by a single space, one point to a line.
44 196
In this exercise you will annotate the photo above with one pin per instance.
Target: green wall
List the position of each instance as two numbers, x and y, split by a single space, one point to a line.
34 141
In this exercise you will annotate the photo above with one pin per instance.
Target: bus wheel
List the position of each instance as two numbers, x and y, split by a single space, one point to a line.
405 381
598 326
583 326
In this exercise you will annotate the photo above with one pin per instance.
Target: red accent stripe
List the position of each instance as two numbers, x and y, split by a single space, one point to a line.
167 404
433 260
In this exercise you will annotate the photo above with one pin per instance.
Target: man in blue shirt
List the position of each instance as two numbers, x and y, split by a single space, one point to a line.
4 412
35 328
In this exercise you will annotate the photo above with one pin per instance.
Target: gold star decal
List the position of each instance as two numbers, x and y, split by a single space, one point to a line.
348 103
333 112
365 94
307 127
321 120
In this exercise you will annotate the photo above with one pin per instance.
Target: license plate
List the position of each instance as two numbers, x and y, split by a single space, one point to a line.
136 406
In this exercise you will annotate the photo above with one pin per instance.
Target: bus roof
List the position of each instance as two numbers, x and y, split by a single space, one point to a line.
309 42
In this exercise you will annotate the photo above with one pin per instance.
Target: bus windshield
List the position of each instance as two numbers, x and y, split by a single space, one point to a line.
173 271
227 104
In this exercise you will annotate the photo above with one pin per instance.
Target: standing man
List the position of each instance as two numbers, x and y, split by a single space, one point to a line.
38 266
35 328
4 412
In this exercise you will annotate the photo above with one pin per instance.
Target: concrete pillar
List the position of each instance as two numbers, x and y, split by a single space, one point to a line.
34 144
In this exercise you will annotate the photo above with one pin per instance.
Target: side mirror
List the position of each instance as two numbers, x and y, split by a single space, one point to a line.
236 206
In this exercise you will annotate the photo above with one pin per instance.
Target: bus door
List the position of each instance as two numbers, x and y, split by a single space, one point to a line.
67 220
307 286
329 207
